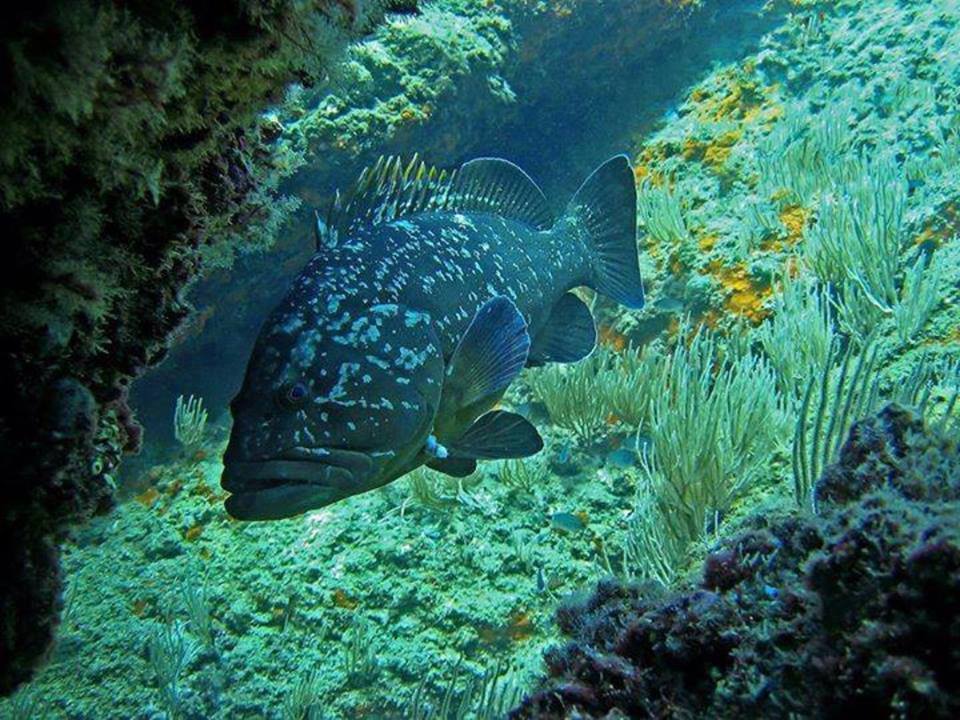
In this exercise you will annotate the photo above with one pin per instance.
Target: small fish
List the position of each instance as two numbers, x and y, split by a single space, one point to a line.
564 463
637 442
669 304
428 294
567 522
622 458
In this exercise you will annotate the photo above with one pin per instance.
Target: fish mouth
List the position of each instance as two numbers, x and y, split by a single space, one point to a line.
297 480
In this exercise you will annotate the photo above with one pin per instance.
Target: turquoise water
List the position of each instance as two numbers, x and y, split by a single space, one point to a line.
797 169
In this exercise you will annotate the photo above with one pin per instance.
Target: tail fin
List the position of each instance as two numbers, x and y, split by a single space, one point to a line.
605 207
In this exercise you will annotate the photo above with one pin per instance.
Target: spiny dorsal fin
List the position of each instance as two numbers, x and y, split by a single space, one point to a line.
385 191
391 189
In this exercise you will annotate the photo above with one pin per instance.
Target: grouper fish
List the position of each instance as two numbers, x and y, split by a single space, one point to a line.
428 294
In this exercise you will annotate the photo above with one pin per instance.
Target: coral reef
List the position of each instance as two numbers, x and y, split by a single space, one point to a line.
849 612
137 156
760 150
133 156
757 136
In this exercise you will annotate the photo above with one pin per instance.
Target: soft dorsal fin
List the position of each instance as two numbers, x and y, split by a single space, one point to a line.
498 186
391 189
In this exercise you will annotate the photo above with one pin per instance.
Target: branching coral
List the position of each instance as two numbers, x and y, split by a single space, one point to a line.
798 337
714 423
483 697
189 421
169 651
604 389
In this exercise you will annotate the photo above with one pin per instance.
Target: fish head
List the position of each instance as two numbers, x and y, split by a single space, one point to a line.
332 404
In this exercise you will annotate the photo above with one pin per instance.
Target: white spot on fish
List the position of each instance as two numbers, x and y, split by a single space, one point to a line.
379 362
412 318
409 359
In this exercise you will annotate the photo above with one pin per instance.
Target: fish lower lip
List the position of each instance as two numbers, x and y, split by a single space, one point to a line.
263 474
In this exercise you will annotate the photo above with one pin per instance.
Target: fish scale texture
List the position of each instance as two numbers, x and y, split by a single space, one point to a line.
850 613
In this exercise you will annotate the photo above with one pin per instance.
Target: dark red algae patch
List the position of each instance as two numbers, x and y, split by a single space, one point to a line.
850 613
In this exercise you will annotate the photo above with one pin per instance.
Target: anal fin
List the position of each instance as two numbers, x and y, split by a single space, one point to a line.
568 336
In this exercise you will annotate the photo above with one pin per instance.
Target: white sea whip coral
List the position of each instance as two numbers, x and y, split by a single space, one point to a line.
189 421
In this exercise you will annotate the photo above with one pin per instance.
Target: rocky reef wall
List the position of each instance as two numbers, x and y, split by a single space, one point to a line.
133 157
461 577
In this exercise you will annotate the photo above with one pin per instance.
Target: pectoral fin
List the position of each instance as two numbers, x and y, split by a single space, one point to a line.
568 336
491 353
498 434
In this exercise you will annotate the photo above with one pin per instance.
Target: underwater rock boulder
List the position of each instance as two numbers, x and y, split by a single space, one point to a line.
471 79
850 612
134 156
29 606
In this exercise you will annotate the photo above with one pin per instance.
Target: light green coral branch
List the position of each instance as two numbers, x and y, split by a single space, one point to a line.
713 424
302 701
189 421
859 230
918 296
797 338
586 396
169 652
845 390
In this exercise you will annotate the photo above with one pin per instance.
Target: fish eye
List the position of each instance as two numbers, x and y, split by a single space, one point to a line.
293 394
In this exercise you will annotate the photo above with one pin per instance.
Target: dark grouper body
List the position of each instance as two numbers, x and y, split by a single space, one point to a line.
427 296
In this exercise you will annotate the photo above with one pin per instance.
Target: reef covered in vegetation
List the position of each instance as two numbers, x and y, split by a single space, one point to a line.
799 178
849 611
134 154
